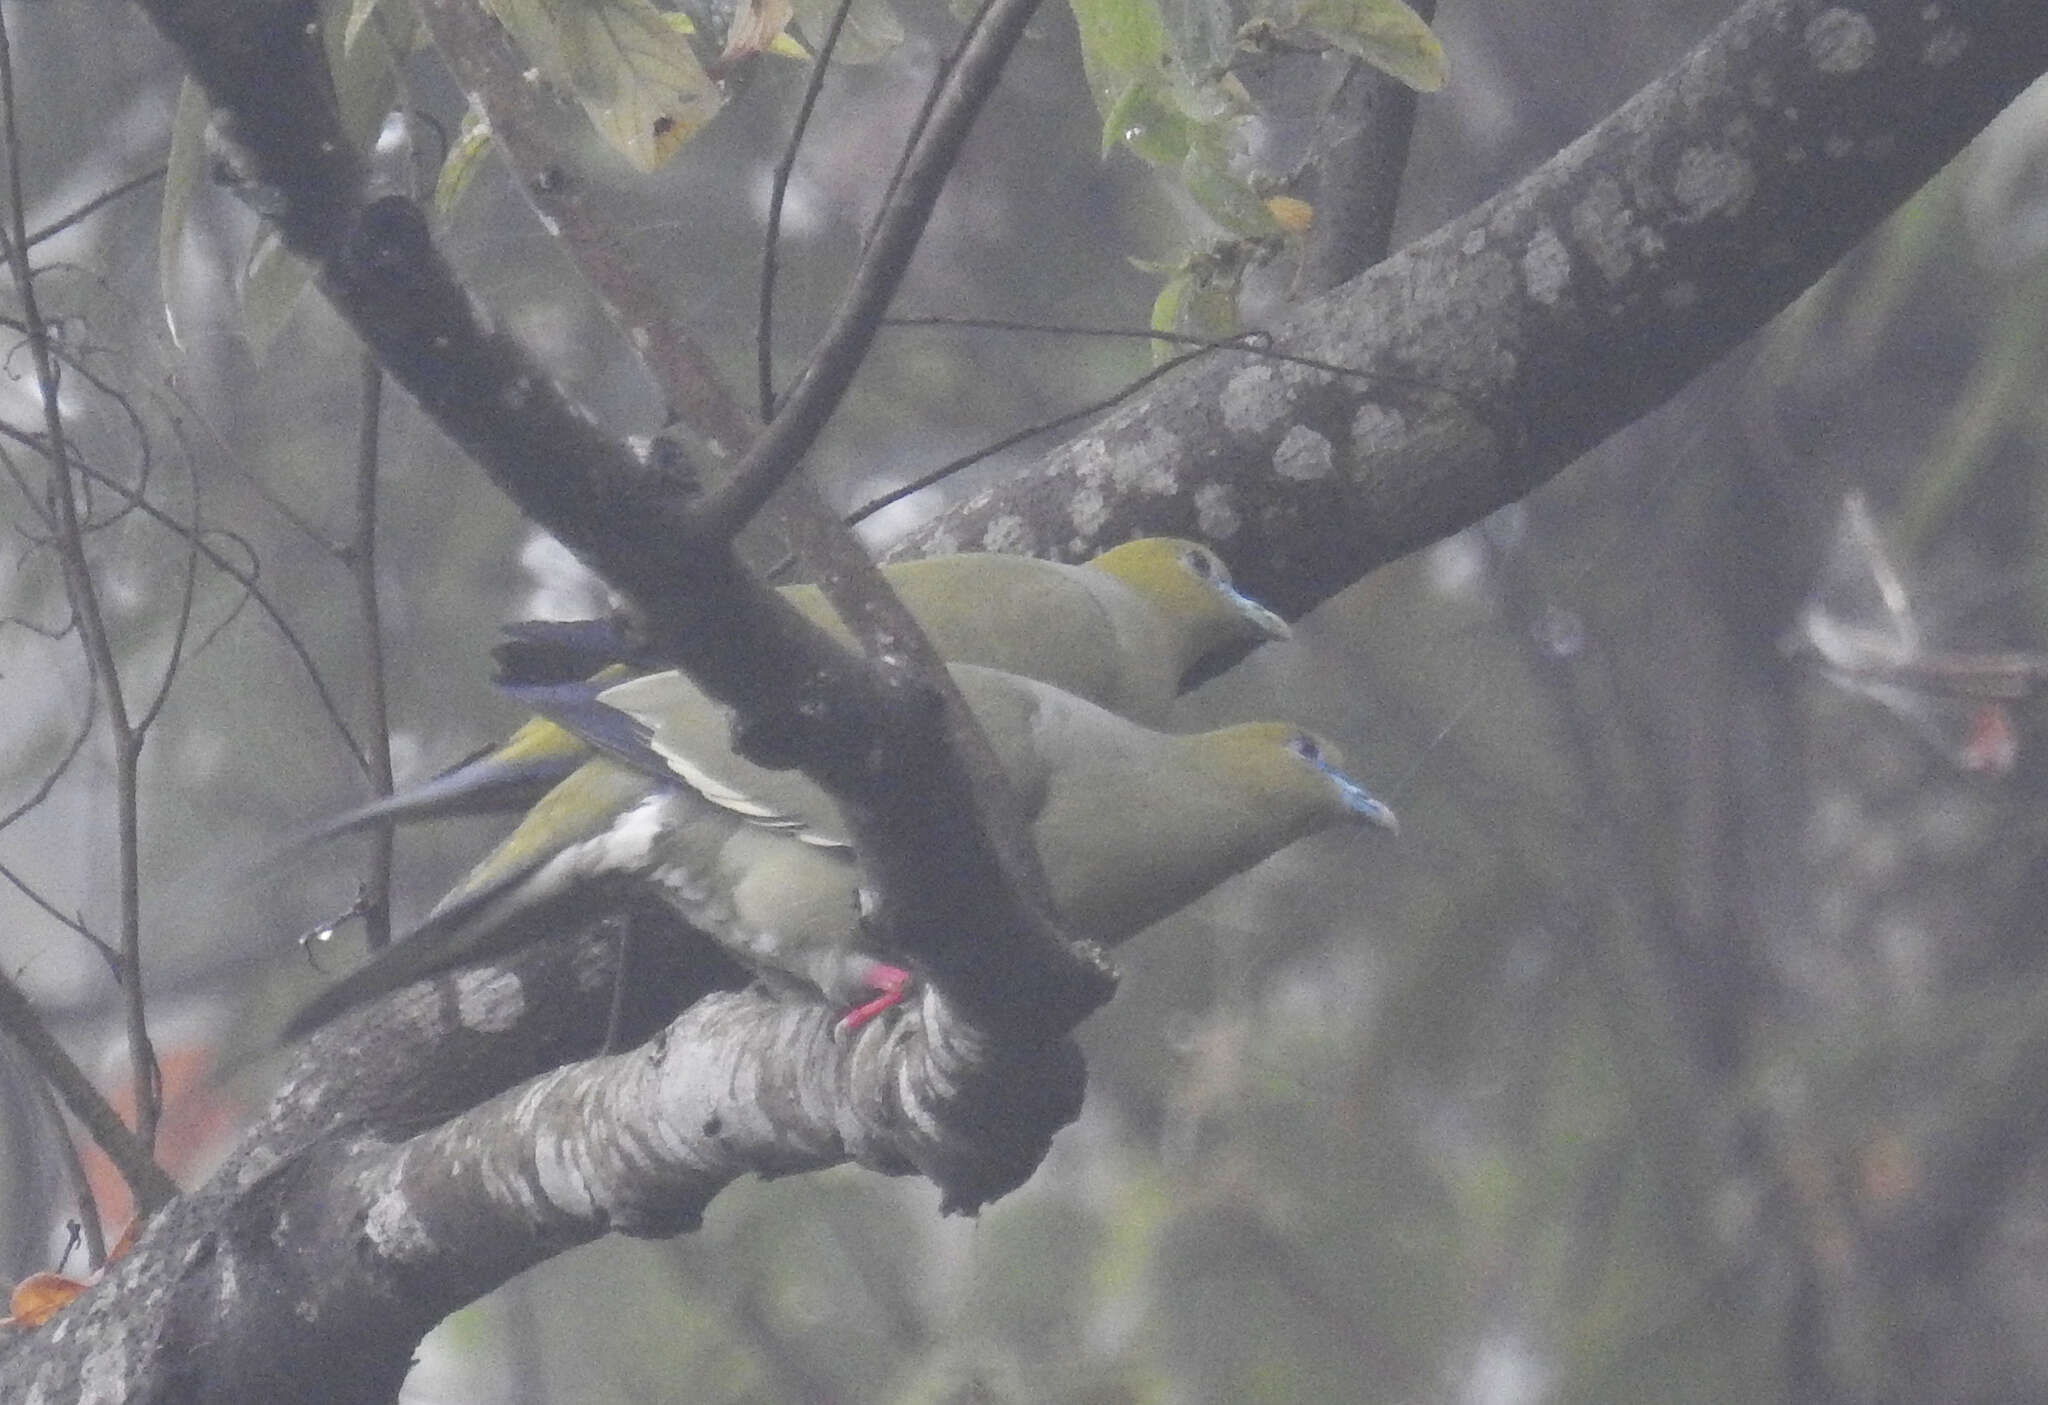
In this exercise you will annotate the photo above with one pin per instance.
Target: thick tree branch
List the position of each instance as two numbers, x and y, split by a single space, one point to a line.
871 734
1364 145
346 1226
1548 317
18 1020
966 799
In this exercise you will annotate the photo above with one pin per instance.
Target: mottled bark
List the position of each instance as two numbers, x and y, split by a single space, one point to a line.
1480 360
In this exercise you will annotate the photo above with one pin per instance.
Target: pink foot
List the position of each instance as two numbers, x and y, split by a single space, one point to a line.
891 985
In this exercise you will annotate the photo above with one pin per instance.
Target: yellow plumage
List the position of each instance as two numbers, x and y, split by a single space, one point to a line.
1131 824
1124 631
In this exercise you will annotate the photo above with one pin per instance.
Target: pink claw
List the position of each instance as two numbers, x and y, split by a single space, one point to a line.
891 985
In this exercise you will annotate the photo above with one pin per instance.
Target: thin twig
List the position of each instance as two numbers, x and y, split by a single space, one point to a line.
84 593
74 1172
244 576
772 457
771 237
948 469
94 205
147 1181
362 565
1251 343
108 952
188 596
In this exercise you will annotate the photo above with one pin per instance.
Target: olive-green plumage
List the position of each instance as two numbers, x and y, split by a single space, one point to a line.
1124 630
1131 824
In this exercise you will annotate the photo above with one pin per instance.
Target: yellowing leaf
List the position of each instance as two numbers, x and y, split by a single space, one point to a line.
637 78
272 280
1384 33
633 72
755 25
399 22
366 55
40 1296
1292 215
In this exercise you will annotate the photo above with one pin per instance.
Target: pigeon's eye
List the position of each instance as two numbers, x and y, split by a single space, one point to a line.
1204 565
1306 747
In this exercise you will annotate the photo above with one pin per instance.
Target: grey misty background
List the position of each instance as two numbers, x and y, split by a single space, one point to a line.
1686 1046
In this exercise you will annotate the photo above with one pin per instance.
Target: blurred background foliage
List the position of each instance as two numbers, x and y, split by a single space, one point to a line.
1688 1045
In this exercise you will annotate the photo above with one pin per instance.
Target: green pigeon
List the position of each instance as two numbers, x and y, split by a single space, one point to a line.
1124 630
1130 823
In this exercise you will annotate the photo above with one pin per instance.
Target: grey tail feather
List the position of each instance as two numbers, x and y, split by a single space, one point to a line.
477 787
575 707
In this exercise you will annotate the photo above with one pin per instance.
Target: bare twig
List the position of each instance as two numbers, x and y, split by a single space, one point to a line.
94 205
74 1174
771 233
1253 343
84 594
181 627
244 576
771 458
72 922
361 558
935 476
147 1181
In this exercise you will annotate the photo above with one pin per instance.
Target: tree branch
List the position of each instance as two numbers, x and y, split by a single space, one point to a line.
803 411
872 736
1364 141
962 804
340 1231
148 1181
1549 316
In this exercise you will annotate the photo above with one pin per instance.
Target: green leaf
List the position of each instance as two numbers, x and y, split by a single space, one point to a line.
464 157
184 176
1209 307
1223 195
271 283
626 63
367 54
1147 119
1123 46
872 30
1166 313
1384 33
1199 297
